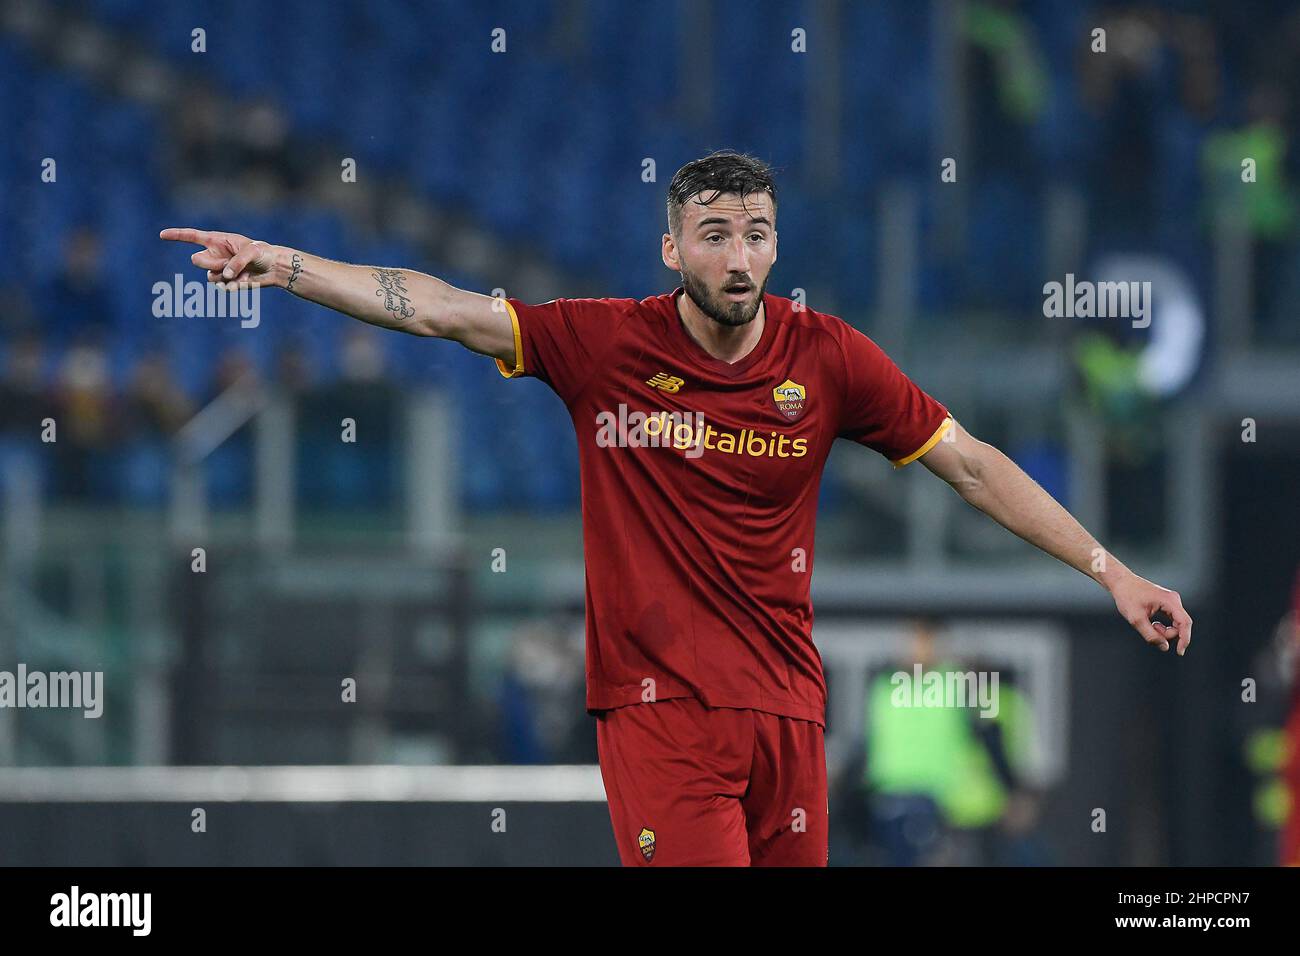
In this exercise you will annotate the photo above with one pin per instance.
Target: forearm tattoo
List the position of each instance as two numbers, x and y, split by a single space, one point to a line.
296 266
392 286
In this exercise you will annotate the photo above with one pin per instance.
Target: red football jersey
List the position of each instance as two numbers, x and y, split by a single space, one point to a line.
699 488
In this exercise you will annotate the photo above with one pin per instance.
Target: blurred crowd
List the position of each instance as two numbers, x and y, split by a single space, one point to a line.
1151 134
109 415
1154 130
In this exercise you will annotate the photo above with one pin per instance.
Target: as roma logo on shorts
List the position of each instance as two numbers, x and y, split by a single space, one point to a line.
789 397
646 841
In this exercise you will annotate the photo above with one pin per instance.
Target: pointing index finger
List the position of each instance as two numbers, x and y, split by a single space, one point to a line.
196 236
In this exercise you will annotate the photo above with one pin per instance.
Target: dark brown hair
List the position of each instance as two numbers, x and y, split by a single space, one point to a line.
722 172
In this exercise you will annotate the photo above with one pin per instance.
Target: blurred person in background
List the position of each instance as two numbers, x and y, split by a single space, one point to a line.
154 408
87 420
203 156
1122 91
234 367
212 151
24 404
155 405
1266 210
540 697
267 166
944 784
1005 833
17 318
295 373
1009 85
1289 656
23 400
78 295
1269 734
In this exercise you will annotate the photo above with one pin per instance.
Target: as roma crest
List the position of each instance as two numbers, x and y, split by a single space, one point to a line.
790 397
646 841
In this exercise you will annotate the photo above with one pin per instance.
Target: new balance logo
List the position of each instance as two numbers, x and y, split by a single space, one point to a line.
665 382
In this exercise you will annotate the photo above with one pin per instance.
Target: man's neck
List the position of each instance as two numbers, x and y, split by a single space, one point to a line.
727 343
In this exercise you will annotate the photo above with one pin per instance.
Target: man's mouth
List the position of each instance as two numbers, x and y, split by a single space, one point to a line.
739 289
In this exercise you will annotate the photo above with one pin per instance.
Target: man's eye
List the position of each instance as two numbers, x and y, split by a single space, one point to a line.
712 237
756 235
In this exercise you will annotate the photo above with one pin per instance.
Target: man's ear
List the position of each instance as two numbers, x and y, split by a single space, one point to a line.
669 252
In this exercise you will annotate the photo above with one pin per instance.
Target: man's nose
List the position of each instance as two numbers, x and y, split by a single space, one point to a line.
738 256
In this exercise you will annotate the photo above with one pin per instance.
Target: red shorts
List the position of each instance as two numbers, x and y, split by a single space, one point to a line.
690 785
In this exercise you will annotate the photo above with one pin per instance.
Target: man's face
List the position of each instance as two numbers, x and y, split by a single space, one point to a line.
725 254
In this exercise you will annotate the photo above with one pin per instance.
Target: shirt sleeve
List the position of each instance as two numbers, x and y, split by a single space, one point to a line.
884 409
561 342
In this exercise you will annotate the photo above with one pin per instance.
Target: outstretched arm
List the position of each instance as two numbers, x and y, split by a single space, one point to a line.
992 482
399 299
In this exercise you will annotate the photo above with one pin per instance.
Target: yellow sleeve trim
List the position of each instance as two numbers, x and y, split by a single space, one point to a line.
502 367
934 440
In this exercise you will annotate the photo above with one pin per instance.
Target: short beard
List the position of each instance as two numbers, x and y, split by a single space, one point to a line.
719 310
